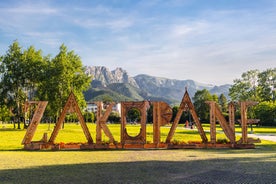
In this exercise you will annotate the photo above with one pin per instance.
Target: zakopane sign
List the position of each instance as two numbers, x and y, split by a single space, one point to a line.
162 114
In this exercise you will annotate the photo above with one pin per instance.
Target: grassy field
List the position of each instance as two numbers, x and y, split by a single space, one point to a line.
133 166
11 138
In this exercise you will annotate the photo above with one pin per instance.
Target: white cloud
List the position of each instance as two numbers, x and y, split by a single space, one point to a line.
214 46
38 10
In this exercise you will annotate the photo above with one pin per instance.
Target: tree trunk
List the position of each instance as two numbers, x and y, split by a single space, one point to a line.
18 116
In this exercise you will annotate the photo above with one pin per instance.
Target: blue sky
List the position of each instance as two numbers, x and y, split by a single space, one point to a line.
210 41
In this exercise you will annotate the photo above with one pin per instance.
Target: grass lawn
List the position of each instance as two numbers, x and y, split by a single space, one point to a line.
132 166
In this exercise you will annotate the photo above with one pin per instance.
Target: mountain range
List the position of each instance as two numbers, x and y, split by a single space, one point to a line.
119 86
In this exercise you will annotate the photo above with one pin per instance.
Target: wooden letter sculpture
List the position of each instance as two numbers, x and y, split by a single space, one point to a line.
141 137
186 104
244 106
162 114
101 123
215 114
71 106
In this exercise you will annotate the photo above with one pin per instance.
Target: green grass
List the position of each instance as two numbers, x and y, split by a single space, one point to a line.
10 138
132 166
139 166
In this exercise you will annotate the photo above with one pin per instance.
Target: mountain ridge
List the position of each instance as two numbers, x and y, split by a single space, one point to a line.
142 86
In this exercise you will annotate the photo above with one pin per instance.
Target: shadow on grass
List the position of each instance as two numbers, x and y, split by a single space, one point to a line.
195 171
11 130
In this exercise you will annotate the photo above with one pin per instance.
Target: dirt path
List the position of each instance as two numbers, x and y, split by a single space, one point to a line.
268 137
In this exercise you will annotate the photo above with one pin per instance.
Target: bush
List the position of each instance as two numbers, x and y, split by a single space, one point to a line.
89 117
114 117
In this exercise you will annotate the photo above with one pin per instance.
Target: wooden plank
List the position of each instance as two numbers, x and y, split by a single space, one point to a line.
82 121
98 126
212 122
41 105
225 126
101 124
156 123
244 106
231 109
244 122
162 114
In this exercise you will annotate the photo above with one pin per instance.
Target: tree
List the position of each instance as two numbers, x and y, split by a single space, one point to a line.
133 115
256 86
245 88
107 99
266 112
64 73
267 85
183 118
34 67
215 97
26 74
89 116
114 117
21 71
222 101
4 113
202 109
150 114
12 80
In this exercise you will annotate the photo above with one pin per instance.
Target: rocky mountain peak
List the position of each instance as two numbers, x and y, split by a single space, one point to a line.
103 74
148 87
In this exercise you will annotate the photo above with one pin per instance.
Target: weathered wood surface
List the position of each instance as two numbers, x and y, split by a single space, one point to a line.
141 137
71 106
215 114
101 123
41 105
244 106
186 104
162 114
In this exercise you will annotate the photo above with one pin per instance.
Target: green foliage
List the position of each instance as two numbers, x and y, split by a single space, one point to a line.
71 118
215 97
257 86
114 117
222 101
185 115
27 75
13 80
150 114
245 88
201 107
4 113
100 95
133 115
34 65
65 73
126 90
107 99
89 117
266 112
267 85
122 92
254 85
